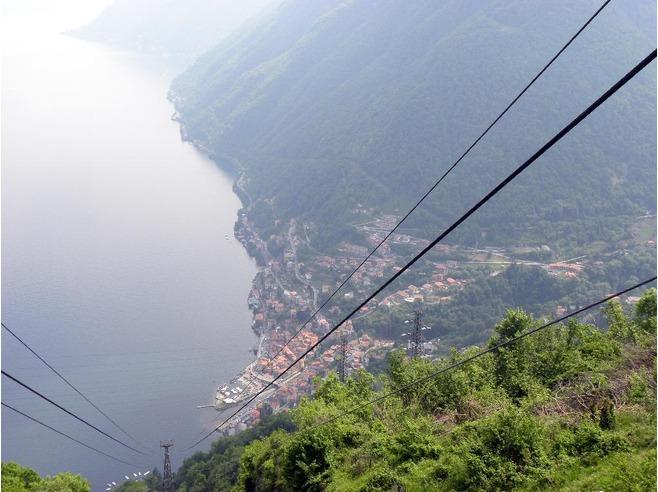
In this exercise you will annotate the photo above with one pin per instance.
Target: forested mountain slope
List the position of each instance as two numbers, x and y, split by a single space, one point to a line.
327 104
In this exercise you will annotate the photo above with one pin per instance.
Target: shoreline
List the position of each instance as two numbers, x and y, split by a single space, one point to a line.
244 233
282 296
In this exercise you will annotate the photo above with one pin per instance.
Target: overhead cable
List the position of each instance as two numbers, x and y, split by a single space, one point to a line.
17 381
71 385
66 435
493 348
436 183
570 126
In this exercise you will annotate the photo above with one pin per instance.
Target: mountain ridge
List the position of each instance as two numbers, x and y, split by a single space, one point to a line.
321 104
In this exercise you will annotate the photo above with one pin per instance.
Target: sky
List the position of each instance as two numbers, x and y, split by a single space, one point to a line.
58 15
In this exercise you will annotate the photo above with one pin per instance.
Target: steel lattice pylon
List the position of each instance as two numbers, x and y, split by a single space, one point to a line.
416 336
342 358
167 482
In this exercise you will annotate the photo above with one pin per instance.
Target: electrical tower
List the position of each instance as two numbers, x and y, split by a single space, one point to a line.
416 335
342 358
167 482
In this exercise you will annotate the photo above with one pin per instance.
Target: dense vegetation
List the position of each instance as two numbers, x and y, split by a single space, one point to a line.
328 104
469 317
569 408
17 478
218 468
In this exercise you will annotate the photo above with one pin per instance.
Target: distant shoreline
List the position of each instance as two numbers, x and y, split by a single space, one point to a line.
237 172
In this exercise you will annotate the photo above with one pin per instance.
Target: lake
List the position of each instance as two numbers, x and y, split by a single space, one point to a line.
119 264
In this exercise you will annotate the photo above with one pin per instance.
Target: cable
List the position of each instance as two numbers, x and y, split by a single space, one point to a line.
606 95
445 174
484 352
66 435
70 384
69 412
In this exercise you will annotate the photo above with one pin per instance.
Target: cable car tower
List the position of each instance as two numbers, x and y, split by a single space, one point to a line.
167 480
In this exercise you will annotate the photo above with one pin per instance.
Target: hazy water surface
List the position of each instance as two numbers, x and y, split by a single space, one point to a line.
115 264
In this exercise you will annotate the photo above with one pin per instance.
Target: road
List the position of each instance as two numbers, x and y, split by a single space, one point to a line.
298 275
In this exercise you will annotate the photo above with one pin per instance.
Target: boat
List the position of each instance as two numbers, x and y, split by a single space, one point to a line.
223 403
230 394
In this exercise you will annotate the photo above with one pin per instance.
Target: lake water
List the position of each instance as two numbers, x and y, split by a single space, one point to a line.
115 262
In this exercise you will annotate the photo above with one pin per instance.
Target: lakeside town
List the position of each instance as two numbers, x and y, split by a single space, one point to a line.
287 291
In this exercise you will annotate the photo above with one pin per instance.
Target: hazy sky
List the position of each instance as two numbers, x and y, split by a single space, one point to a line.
50 14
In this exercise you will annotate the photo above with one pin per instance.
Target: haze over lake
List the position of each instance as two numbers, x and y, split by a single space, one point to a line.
116 265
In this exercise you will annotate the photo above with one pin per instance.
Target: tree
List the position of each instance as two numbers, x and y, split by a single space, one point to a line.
645 312
65 482
307 462
132 486
17 478
620 326
513 364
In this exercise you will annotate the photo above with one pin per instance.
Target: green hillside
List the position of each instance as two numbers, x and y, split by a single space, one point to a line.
328 104
571 408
